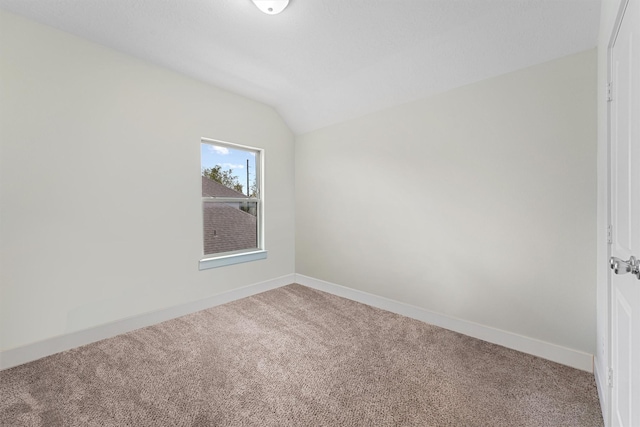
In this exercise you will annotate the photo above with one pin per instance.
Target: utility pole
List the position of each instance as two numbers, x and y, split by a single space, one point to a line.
248 178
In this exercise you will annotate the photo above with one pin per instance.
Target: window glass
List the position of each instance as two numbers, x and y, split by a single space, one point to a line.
231 198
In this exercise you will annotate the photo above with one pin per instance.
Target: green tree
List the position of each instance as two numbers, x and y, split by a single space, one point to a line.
224 177
254 189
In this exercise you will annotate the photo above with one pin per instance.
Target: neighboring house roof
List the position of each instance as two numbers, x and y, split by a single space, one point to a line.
211 188
226 227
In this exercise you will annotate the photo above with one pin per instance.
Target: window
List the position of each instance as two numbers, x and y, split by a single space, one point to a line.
231 203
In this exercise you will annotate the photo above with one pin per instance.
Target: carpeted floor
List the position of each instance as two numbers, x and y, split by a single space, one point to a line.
295 356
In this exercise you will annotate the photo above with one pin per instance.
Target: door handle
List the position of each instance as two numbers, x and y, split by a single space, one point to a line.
623 267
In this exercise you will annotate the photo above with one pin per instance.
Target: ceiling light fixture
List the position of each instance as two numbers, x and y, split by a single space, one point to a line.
271 7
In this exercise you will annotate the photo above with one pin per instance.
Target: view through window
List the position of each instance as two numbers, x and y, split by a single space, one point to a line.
231 198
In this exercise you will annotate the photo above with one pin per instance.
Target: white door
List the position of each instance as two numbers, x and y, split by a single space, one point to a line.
625 219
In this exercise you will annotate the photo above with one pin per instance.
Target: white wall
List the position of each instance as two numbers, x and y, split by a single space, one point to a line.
478 203
100 184
608 15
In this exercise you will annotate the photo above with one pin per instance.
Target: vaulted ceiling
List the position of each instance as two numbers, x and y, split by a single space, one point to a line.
321 62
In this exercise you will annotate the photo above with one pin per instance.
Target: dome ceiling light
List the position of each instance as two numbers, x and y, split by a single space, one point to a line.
271 7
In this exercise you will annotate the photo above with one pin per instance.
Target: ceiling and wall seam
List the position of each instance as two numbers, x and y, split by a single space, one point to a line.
321 63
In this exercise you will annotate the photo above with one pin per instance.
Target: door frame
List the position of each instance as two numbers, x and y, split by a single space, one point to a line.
607 413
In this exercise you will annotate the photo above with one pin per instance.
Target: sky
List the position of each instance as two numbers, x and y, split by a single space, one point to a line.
229 158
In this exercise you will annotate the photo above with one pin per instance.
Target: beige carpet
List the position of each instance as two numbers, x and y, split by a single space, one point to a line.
295 357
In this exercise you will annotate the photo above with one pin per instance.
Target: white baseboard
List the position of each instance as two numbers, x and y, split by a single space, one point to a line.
555 353
37 350
545 350
603 387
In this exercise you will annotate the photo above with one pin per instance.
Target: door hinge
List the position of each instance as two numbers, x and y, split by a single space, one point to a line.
609 234
609 91
610 377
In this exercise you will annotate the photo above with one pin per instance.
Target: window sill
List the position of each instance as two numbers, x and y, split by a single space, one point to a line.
221 261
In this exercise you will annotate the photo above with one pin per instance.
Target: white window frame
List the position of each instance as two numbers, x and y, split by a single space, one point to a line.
222 259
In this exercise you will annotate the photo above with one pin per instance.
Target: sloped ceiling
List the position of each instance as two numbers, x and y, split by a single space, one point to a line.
321 62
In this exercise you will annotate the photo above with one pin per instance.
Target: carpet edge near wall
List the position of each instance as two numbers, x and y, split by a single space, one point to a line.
565 356
545 350
49 346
